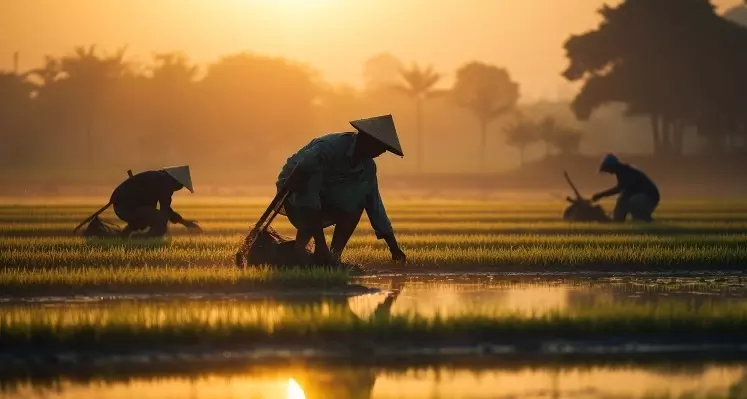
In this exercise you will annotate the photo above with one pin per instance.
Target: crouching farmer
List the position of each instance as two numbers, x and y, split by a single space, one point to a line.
136 198
333 180
638 195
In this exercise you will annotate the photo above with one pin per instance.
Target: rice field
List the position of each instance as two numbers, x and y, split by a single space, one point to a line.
40 258
436 235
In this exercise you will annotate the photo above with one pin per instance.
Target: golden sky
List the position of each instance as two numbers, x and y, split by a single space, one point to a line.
334 36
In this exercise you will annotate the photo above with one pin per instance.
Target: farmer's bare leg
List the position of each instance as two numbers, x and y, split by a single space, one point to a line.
347 222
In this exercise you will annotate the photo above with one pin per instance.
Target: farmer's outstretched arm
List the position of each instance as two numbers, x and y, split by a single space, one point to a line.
379 219
606 193
165 206
375 206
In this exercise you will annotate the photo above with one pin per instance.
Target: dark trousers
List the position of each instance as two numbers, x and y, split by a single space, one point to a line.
141 218
639 206
345 224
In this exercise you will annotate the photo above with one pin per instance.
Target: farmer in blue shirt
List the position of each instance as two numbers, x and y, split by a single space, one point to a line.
333 181
638 195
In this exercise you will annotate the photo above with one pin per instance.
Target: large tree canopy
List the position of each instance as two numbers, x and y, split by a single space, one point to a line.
675 61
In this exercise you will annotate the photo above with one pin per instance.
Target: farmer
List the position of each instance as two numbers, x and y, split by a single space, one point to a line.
135 200
638 194
333 181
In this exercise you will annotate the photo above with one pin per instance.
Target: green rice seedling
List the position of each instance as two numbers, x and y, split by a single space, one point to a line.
434 227
507 236
707 254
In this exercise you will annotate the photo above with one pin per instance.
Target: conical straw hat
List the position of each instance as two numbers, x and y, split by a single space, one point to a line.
181 174
381 128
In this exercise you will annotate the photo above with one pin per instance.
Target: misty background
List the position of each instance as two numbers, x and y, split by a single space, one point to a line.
89 89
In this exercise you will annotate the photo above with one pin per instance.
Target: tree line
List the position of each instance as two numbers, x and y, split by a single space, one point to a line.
676 62
92 108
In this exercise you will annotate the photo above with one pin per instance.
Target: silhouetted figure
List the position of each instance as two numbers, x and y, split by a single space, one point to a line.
332 180
639 196
136 198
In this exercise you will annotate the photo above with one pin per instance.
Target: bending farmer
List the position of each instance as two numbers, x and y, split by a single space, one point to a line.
136 198
639 196
333 180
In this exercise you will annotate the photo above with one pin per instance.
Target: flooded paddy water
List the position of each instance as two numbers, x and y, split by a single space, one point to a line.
400 371
308 381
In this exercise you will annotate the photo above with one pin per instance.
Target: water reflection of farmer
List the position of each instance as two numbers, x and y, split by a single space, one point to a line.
347 382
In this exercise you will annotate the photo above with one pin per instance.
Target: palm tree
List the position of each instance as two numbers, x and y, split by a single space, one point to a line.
173 68
488 92
418 85
171 94
48 74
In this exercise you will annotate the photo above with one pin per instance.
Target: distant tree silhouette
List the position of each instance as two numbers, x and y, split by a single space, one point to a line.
171 93
89 78
49 73
419 85
173 69
381 72
488 92
15 114
560 139
658 57
245 93
520 134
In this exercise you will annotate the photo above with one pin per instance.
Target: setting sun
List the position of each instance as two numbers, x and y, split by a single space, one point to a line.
293 7
294 390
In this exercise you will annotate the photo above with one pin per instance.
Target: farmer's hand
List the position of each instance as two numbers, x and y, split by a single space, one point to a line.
397 254
190 224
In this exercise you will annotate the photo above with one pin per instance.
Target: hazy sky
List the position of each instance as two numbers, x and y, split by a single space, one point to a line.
334 36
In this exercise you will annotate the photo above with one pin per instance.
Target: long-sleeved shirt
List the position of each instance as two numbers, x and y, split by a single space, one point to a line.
147 189
336 180
631 181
